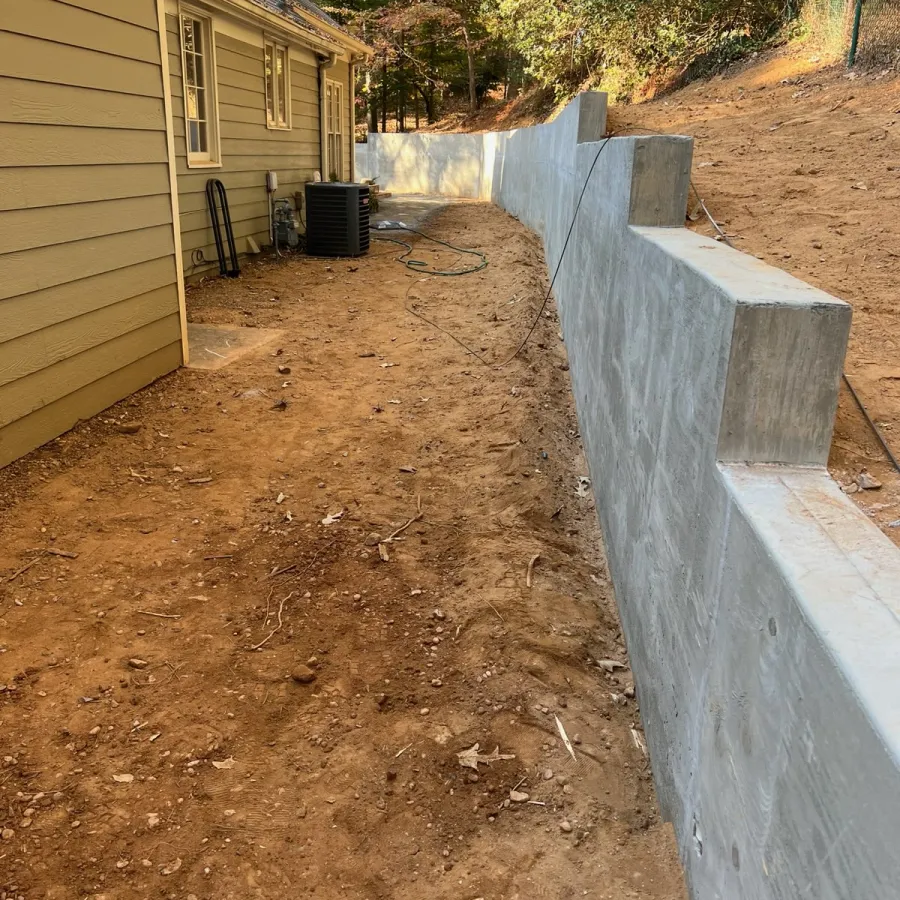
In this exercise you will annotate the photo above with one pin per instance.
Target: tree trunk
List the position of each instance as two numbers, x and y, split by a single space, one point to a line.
428 100
384 96
470 58
401 87
372 102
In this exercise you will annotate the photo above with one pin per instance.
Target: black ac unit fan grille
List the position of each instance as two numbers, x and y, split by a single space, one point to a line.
337 219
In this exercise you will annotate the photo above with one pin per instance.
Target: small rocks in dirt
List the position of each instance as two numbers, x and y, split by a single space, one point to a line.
137 663
281 405
126 778
610 665
424 711
576 739
565 826
373 539
129 427
303 675
95 730
548 775
436 682
629 692
867 483
171 868
7 834
439 614
284 370
518 796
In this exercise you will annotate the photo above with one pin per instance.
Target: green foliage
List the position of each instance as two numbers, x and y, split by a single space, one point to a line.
618 44
431 52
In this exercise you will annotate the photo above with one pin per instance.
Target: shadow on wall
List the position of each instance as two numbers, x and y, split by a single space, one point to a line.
760 606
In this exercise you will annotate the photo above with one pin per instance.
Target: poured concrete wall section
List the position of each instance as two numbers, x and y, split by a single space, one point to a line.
761 607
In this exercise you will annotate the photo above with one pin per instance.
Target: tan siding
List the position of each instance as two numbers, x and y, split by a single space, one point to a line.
60 415
61 145
88 284
63 24
39 103
137 12
33 270
36 351
128 337
36 60
26 229
28 187
29 312
249 148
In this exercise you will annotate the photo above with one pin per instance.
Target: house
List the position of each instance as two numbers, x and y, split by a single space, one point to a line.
257 86
113 116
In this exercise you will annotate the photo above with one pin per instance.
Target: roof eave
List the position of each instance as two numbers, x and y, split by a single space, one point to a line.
330 40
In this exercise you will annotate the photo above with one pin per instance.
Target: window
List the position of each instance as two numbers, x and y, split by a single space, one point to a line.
334 121
278 97
201 127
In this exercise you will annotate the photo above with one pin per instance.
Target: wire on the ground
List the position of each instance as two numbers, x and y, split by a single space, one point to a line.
420 265
547 296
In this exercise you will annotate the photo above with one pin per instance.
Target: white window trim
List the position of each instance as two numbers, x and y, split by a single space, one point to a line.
339 86
213 158
276 46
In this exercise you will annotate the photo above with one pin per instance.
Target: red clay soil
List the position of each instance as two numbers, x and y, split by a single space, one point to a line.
801 166
214 686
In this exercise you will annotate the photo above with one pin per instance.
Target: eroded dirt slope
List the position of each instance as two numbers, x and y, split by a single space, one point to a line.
146 750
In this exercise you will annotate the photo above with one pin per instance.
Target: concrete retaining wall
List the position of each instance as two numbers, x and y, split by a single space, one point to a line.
760 606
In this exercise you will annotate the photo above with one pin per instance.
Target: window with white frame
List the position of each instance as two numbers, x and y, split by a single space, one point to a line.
201 125
334 122
278 86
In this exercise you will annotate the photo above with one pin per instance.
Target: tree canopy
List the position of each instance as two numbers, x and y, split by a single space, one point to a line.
433 51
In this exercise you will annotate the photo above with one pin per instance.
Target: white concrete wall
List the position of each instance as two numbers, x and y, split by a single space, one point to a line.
760 606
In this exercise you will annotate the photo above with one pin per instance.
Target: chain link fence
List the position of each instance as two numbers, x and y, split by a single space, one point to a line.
865 33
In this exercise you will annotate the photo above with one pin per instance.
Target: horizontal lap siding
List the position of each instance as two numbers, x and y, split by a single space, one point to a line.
88 283
249 148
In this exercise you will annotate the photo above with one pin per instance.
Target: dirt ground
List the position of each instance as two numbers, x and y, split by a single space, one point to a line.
800 165
213 686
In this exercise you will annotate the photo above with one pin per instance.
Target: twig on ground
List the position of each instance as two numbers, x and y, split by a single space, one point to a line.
382 545
278 627
268 602
67 554
306 568
494 608
24 568
529 574
156 615
221 556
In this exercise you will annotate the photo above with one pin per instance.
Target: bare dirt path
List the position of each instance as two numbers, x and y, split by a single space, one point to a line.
146 750
801 167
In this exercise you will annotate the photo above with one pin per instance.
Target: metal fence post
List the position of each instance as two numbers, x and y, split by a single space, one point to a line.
854 37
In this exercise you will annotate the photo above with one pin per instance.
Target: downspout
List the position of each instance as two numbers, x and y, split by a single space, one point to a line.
324 64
